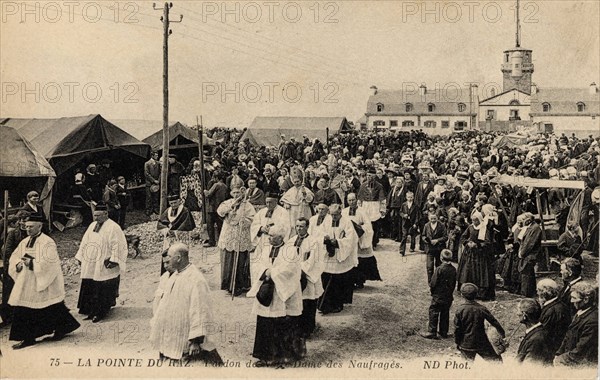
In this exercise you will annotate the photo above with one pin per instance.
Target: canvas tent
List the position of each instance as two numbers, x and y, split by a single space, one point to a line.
66 141
268 130
180 137
23 169
510 141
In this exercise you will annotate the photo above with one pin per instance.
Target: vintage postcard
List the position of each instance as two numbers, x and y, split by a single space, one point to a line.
299 189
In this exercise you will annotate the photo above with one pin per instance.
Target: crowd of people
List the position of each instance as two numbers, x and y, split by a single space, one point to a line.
297 226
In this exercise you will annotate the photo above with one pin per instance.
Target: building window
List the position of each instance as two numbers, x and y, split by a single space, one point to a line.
379 107
408 123
460 125
379 123
491 115
514 102
393 123
514 115
546 107
462 107
430 107
408 107
445 124
580 107
430 124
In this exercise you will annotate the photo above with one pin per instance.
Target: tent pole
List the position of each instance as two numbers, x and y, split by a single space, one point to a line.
327 139
4 254
541 213
201 158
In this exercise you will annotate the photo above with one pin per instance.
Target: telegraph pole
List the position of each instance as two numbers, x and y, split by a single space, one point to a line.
164 174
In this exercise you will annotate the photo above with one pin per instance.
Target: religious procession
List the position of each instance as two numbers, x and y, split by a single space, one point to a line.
301 230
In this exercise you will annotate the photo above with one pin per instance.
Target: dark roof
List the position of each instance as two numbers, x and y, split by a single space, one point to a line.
267 130
66 140
189 135
563 101
445 100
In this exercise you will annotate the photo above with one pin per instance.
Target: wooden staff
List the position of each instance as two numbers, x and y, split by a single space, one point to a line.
4 253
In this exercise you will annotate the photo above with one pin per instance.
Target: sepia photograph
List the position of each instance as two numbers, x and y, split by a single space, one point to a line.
299 189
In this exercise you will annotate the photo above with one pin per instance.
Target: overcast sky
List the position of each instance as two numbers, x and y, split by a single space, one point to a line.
275 58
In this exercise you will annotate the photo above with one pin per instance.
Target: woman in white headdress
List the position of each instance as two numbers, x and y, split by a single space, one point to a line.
474 265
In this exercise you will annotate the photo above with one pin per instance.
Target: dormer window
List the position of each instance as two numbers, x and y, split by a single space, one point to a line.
430 107
462 107
379 107
408 107
546 107
580 107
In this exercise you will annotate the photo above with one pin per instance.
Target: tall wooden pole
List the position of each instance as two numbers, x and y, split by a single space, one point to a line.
202 176
164 174
4 253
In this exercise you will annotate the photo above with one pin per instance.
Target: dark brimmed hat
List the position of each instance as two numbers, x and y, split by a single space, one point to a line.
272 194
101 207
173 197
35 218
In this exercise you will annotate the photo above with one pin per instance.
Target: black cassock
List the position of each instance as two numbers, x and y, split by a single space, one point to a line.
182 222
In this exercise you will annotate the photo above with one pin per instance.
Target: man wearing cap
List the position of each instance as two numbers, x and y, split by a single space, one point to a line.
372 199
469 334
216 194
326 194
38 294
35 209
255 196
152 176
278 304
269 183
569 242
102 254
435 236
266 218
341 243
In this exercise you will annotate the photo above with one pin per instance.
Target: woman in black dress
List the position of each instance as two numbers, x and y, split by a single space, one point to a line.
475 265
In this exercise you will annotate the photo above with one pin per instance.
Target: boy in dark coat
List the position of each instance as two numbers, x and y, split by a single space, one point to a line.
469 333
442 286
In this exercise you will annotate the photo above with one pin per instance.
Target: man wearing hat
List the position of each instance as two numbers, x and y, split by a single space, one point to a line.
372 199
176 218
176 170
529 251
216 194
268 217
341 243
38 294
469 334
152 176
278 303
102 255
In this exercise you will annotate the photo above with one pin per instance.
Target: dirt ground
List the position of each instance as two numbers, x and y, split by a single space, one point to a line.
382 323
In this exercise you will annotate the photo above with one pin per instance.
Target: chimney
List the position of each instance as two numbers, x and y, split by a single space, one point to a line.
422 89
373 90
534 88
593 88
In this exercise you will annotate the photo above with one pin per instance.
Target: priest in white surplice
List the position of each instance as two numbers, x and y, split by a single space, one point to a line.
38 295
278 302
367 263
341 243
267 217
312 257
297 200
182 317
102 254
